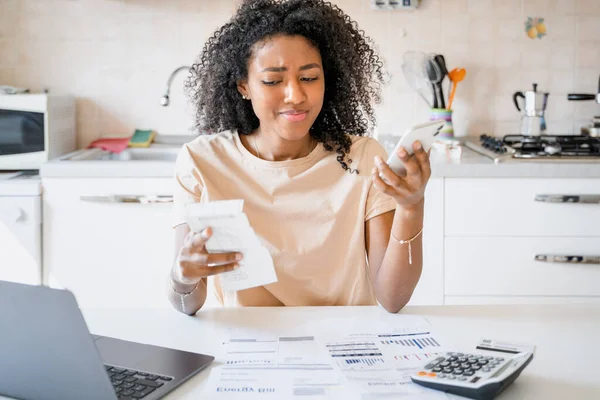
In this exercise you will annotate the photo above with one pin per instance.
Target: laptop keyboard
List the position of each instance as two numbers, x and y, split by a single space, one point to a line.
131 384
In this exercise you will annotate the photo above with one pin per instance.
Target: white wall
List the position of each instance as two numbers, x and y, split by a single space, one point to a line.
116 55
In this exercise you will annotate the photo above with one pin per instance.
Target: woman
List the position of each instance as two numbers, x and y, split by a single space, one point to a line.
285 90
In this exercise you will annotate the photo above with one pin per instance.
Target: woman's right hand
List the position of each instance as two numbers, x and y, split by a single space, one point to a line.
194 262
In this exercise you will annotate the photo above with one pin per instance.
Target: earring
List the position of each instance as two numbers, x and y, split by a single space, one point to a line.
244 97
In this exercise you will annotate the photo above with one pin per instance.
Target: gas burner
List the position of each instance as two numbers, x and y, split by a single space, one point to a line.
492 144
545 147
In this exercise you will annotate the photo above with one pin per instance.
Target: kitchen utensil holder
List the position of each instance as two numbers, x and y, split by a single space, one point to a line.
447 132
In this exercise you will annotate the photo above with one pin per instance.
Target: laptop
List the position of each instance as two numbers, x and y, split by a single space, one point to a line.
46 352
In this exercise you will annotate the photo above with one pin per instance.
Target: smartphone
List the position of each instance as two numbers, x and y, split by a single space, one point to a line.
426 133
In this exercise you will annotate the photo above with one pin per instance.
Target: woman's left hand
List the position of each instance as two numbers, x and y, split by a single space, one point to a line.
408 190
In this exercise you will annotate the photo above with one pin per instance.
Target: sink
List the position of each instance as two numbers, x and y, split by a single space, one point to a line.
146 154
154 153
156 161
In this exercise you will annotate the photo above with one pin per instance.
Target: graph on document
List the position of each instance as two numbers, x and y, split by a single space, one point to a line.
410 347
415 357
356 354
366 361
421 340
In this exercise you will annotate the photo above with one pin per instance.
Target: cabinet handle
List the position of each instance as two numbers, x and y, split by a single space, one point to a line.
137 199
568 198
15 214
564 259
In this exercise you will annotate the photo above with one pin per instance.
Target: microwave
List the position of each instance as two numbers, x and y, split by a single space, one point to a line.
35 128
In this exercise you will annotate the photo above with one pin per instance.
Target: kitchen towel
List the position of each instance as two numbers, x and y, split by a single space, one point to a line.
115 145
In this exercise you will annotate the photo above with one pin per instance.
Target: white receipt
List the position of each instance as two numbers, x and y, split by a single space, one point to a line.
232 232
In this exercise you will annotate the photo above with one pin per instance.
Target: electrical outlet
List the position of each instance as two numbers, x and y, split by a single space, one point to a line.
404 4
380 5
394 4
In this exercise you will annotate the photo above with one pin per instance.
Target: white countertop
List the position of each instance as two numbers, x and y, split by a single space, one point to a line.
470 165
567 338
475 165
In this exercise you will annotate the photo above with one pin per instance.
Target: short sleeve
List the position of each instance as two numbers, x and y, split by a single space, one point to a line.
377 201
188 184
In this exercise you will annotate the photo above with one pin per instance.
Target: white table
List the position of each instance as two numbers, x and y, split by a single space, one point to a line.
567 338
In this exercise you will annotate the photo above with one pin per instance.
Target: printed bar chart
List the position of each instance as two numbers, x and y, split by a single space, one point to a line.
417 340
421 343
414 357
367 361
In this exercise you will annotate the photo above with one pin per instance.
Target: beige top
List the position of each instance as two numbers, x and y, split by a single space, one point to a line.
308 212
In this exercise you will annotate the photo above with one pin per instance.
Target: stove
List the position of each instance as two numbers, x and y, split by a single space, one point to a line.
537 148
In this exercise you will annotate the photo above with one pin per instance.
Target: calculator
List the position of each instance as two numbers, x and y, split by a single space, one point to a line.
476 376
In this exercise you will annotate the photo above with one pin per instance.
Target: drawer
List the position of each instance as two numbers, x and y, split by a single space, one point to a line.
502 207
110 254
501 266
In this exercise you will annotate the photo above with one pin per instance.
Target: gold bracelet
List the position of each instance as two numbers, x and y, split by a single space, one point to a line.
409 243
182 296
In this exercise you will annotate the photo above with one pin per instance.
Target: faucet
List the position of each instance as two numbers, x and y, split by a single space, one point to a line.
164 101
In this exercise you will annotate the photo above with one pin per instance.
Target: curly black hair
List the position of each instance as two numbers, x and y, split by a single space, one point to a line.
353 70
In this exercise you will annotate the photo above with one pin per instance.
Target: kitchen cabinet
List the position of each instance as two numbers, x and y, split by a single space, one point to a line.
508 207
117 254
21 235
486 241
430 289
109 251
503 243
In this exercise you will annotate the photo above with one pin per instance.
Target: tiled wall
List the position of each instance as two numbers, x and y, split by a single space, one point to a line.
115 57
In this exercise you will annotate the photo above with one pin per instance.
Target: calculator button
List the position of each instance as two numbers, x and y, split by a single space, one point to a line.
447 370
468 373
444 364
462 378
475 367
452 358
499 358
465 365
458 371
437 369
483 362
471 360
451 377
432 374
441 375
462 359
455 364
421 373
486 369
434 362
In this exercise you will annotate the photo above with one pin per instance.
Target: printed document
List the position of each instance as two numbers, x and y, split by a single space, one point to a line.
232 232
275 368
355 365
379 365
